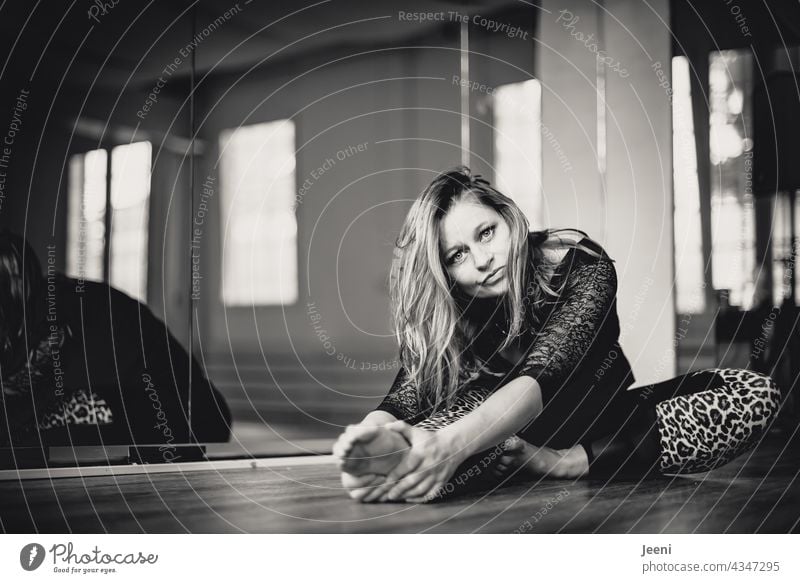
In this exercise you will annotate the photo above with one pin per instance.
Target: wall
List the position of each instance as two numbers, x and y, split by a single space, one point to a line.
628 206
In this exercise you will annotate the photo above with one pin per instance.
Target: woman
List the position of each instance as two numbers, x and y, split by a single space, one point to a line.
80 353
509 337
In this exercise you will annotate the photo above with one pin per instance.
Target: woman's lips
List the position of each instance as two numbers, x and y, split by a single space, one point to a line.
494 276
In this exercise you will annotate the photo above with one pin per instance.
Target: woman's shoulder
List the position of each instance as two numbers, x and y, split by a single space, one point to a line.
557 244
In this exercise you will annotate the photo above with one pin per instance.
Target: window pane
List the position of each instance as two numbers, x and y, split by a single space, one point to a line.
690 298
130 208
781 248
518 145
259 229
732 208
86 215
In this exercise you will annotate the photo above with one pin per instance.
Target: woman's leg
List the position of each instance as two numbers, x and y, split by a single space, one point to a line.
693 423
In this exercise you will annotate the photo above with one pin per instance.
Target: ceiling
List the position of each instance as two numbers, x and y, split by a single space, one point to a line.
133 42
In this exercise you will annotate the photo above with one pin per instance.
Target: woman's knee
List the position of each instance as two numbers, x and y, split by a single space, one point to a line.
756 394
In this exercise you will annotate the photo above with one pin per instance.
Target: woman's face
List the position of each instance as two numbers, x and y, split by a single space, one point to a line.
474 240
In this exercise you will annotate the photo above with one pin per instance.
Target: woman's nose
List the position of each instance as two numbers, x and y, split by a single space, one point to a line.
483 259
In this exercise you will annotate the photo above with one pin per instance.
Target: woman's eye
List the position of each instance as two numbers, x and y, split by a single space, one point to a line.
487 233
457 258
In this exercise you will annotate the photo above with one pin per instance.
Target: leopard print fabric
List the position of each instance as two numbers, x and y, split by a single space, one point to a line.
82 408
468 401
705 430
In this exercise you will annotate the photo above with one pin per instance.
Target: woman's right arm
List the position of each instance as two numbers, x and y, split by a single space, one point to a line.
400 404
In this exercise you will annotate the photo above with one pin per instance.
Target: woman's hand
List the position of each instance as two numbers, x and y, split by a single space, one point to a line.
424 471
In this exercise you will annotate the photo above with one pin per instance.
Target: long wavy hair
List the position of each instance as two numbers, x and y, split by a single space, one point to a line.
21 312
429 311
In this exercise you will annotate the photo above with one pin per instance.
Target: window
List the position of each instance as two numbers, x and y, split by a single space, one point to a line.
130 206
518 145
126 192
781 247
689 268
86 215
731 143
259 228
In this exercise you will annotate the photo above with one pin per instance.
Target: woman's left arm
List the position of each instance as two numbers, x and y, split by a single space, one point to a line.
505 412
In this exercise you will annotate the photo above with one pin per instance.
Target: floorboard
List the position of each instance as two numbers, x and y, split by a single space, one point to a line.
759 492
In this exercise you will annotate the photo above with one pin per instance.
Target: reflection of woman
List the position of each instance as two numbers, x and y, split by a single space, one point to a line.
82 353
509 337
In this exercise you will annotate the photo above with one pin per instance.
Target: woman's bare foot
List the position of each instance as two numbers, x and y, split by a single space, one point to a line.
542 461
369 449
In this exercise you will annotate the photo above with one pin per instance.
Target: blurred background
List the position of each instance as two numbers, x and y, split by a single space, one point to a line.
244 168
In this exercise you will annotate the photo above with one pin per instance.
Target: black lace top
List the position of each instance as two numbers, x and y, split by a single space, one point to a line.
574 355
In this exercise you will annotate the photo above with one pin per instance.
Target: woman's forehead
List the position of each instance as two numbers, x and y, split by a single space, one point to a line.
461 220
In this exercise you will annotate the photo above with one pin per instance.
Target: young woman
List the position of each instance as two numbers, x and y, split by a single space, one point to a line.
509 337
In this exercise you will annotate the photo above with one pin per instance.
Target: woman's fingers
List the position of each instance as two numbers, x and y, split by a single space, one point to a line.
420 489
403 469
409 464
435 492
397 492
359 494
380 491
383 490
429 496
378 494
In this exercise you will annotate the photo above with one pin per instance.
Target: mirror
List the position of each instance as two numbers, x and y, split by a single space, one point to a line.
227 180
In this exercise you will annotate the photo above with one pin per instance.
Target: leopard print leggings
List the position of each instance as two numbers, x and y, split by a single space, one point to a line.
696 426
707 429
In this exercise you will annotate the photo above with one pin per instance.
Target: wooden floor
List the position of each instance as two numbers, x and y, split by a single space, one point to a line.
755 493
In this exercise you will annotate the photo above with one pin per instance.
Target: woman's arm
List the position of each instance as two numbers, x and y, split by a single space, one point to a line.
435 456
401 402
505 412
585 317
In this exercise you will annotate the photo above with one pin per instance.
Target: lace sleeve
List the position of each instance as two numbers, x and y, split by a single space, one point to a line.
586 303
402 399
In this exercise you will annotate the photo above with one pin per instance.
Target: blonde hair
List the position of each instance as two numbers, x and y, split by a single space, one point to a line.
428 308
